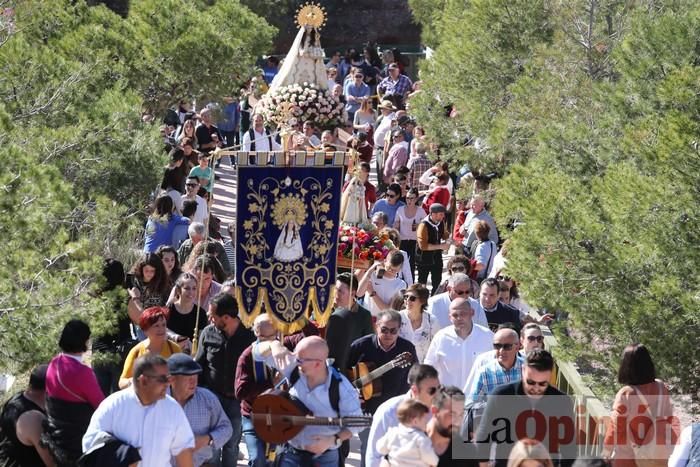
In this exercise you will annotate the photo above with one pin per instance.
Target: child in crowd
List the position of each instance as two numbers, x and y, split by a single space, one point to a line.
408 445
204 173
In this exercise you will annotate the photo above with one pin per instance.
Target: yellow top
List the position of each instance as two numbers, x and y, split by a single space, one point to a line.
140 349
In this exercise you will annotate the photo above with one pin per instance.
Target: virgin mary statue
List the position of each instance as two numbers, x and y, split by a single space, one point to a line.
304 62
353 208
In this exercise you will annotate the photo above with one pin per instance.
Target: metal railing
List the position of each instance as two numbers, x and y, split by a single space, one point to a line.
591 415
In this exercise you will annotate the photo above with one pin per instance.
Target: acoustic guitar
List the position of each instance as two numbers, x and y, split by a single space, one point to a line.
364 376
278 417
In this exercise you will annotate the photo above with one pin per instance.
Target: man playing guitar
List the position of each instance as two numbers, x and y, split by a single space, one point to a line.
381 348
314 445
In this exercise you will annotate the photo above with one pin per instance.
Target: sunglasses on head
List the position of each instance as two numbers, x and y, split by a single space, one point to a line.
542 384
506 347
385 330
535 338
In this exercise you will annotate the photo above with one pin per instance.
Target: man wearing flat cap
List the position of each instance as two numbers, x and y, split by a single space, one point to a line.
396 85
210 425
430 235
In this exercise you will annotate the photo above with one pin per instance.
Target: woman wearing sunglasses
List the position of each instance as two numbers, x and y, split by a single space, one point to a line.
417 325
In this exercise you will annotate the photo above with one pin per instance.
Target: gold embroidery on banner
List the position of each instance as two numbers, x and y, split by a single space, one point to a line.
287 278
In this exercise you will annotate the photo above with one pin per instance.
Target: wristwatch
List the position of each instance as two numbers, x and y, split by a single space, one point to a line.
338 441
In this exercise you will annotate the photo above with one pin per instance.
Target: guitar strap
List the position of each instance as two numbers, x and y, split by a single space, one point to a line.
333 390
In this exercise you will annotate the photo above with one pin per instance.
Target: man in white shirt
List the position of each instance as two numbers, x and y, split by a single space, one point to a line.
453 349
144 417
458 286
191 189
259 138
424 384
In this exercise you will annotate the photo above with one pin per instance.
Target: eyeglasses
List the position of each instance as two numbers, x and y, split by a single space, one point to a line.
301 361
162 379
458 269
386 330
191 185
432 390
391 195
503 278
410 197
189 288
359 76
542 384
410 298
461 292
535 338
506 347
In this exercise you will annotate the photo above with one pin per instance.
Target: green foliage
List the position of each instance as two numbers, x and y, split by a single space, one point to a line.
595 134
80 164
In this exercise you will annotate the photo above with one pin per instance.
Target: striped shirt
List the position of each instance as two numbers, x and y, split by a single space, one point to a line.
492 375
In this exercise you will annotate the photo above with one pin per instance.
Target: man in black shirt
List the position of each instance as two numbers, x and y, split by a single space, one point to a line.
378 349
220 346
349 321
208 135
528 408
498 313
20 425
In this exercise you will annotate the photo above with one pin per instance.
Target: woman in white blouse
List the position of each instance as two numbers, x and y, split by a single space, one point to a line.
417 324
407 219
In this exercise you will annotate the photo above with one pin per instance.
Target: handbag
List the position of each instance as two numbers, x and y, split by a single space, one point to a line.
650 452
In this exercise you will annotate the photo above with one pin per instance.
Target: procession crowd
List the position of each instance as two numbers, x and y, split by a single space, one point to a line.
176 382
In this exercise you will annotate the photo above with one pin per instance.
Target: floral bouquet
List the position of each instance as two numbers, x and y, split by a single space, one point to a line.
299 103
368 245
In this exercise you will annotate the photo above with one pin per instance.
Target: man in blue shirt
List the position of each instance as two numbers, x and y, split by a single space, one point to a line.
230 124
355 92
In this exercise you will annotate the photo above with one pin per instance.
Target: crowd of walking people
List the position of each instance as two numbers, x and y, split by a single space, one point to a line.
176 381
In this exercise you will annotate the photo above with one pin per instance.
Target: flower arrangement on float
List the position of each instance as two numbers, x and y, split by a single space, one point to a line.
302 102
368 246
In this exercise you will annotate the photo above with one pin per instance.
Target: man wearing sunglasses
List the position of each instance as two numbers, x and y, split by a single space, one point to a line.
378 349
424 385
431 237
530 405
310 375
502 368
144 417
459 285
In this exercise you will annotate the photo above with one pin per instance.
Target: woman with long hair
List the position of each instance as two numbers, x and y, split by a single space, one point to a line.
171 263
646 444
72 395
365 118
212 249
188 131
182 316
417 325
406 222
153 323
529 453
148 285
161 224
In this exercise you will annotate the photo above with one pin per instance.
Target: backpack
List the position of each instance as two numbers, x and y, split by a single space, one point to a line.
333 390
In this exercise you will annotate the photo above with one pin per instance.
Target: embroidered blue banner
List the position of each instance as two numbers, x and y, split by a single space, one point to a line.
287 231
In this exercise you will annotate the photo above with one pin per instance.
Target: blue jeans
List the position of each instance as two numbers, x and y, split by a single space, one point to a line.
293 458
256 446
229 453
364 436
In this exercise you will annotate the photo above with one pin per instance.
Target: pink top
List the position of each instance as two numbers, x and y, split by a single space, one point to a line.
69 380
